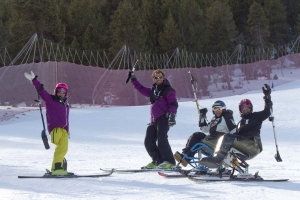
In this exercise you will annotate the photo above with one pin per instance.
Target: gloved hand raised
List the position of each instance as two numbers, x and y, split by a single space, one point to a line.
132 76
30 76
171 120
267 91
203 112
202 116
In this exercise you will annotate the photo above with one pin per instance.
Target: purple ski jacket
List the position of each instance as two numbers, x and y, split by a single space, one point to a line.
57 111
166 103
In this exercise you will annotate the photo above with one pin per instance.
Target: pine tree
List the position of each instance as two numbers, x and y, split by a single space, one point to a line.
224 10
152 25
124 29
74 44
217 35
108 9
276 14
297 27
259 28
170 37
2 34
92 37
191 23
63 16
5 11
78 18
292 11
240 11
32 16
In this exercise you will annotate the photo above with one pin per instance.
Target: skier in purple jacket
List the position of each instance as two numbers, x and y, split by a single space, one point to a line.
163 111
57 114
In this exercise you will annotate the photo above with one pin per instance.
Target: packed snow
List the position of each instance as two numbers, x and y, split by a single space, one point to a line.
113 137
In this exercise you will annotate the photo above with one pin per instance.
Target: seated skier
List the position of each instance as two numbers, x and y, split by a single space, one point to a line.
221 123
247 138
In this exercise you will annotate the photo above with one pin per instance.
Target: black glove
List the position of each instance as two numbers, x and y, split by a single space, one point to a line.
267 91
132 76
268 103
202 116
203 111
171 120
40 88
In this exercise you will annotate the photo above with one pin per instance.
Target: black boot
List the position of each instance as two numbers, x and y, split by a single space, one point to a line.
57 166
214 162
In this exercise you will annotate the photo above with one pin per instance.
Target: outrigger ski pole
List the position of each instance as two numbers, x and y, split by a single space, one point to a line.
194 86
44 136
133 68
277 155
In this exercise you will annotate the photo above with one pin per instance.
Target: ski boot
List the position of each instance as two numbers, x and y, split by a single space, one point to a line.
151 165
59 170
166 165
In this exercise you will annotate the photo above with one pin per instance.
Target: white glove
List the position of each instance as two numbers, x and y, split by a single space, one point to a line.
29 76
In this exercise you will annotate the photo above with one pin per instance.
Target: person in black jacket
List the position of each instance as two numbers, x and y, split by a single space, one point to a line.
221 123
247 138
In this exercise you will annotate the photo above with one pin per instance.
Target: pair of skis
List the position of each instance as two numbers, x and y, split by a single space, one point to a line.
163 172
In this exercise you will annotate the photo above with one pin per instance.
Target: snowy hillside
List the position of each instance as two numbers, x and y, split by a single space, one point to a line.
113 138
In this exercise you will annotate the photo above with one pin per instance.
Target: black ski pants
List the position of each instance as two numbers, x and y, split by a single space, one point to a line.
193 139
157 143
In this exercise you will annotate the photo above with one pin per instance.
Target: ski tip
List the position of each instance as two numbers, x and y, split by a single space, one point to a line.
162 174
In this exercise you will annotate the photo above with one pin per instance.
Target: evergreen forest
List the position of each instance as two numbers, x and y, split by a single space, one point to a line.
152 26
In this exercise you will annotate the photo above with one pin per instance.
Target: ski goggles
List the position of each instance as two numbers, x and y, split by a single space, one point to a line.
158 77
244 107
61 90
217 108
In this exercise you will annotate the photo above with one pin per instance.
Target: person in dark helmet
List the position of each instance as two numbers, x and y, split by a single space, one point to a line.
57 115
163 111
247 138
221 123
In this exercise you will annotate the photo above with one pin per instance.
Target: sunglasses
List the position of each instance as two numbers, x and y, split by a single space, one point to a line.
217 108
158 77
244 106
61 90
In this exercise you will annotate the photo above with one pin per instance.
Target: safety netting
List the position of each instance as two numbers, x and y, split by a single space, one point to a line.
89 85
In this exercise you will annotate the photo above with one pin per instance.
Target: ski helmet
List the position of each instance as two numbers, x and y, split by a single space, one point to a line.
61 85
219 103
245 103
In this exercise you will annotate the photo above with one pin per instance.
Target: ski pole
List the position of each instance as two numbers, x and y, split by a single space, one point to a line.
44 136
133 68
277 155
194 87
